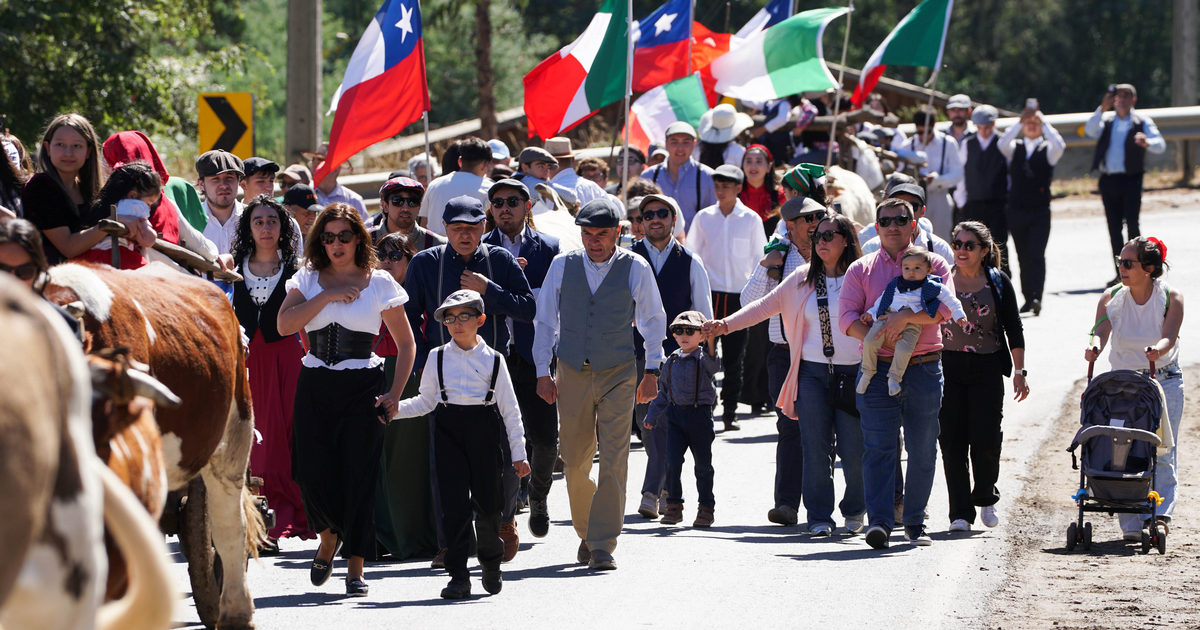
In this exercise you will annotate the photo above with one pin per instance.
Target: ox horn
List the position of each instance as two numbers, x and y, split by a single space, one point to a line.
152 388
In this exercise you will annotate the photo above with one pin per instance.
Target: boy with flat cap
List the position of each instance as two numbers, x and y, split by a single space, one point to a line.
589 300
259 177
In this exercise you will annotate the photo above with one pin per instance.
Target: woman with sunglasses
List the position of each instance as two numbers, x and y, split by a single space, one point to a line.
1139 322
267 259
404 510
340 298
975 360
821 354
21 255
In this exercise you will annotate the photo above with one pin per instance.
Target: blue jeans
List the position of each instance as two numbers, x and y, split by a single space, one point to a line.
690 428
789 452
1170 377
821 428
916 410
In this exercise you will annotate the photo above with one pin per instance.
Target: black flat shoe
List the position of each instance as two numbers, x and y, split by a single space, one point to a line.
321 570
457 589
493 581
1036 307
357 587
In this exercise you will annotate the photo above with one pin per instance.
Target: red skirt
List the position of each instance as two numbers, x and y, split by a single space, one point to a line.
274 369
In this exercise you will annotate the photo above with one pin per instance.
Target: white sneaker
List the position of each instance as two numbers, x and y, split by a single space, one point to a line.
649 506
854 524
863 382
988 516
959 525
1132 535
820 530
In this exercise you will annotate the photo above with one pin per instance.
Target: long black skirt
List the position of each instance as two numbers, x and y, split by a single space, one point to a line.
336 442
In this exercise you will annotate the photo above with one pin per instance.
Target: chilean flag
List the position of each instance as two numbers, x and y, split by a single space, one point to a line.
384 89
660 51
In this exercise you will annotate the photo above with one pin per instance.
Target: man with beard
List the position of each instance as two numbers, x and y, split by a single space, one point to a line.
512 211
399 200
220 176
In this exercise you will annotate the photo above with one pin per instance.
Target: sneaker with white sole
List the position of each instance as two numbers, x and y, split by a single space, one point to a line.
988 516
1132 535
649 506
960 525
877 536
917 535
854 524
819 530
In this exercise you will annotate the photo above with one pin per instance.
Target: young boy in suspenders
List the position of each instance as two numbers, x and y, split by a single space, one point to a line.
477 431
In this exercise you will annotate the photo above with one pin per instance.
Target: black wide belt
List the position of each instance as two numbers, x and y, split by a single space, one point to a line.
334 343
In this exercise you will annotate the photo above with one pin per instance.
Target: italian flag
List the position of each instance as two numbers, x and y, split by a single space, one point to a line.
649 116
582 77
782 60
918 40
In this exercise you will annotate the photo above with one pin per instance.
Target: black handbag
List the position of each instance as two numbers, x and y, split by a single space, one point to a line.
841 394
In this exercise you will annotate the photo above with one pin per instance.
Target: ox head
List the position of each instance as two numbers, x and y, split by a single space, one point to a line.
122 391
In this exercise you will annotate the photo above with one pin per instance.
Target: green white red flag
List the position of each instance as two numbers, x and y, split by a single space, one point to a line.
918 40
681 99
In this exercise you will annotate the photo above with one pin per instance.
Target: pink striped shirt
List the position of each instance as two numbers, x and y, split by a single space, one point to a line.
866 279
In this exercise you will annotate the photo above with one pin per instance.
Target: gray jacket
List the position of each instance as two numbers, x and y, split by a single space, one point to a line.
686 380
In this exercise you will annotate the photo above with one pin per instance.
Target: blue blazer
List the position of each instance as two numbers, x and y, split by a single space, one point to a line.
538 249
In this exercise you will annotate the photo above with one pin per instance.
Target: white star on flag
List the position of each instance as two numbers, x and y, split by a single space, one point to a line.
405 23
663 24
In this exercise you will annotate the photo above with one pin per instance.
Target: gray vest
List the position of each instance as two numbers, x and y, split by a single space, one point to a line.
595 328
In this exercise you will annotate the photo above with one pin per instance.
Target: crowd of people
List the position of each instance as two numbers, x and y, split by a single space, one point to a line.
422 373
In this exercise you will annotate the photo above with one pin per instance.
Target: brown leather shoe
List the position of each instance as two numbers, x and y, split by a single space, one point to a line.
439 561
673 515
704 517
508 533
584 555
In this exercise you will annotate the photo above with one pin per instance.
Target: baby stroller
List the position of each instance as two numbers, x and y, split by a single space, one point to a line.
1119 412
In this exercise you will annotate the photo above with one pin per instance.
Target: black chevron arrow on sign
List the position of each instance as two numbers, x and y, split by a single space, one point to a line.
235 127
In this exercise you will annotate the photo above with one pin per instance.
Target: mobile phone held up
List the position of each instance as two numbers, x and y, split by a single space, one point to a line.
1031 103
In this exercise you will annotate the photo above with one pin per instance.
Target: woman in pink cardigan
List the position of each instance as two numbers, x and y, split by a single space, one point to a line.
816 358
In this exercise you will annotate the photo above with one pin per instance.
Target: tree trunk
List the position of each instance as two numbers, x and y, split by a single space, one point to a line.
483 69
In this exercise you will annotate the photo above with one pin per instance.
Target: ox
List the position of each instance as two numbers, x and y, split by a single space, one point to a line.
186 331
57 494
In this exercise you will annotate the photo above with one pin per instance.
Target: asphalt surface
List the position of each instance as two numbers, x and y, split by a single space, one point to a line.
744 571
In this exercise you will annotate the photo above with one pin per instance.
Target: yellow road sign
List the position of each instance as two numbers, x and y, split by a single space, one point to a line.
227 122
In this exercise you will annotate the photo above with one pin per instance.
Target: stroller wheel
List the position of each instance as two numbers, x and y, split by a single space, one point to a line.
1160 539
1072 534
1087 536
1147 543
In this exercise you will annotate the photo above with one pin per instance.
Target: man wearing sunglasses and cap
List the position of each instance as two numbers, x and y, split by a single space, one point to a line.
589 300
399 202
512 212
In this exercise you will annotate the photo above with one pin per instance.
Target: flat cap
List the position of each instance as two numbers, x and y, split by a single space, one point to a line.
600 212
800 206
688 318
217 161
509 182
530 155
984 115
259 164
463 209
959 101
462 297
663 199
401 183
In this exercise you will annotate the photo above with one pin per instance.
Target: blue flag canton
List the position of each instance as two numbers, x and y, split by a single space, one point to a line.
779 10
666 25
400 23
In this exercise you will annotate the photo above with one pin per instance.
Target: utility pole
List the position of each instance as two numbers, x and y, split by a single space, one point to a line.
1183 71
303 78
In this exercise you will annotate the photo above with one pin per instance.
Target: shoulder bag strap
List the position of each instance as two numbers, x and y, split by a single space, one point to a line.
495 373
826 328
782 277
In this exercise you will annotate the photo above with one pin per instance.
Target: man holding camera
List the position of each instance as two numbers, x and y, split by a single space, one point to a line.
1124 137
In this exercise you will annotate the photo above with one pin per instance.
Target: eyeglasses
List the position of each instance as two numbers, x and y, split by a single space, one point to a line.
967 245
345 236
661 213
684 331
899 221
411 202
395 255
1126 263
810 218
461 317
826 236
26 271
513 202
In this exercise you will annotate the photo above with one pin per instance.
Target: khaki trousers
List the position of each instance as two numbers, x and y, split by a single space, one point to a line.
594 408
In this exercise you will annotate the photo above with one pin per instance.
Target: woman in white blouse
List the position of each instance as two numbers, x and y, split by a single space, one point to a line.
342 400
267 259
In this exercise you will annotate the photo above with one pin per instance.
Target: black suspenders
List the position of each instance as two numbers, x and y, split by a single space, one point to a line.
655 180
491 386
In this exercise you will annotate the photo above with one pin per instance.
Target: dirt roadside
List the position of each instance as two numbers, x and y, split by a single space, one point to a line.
1114 585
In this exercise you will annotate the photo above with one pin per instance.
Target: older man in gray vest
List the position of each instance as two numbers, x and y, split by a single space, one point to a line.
589 302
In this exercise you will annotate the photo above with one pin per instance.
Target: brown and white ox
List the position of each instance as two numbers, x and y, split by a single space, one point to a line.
57 495
185 330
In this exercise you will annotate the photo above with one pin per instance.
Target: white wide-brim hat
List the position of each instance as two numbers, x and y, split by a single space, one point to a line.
722 124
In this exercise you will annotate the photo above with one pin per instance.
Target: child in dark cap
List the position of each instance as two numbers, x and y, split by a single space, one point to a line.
686 395
477 430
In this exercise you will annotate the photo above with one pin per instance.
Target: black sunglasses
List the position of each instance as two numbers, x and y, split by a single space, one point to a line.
967 245
1126 263
684 330
395 255
899 221
661 213
26 271
513 201
345 236
826 236
411 202
814 217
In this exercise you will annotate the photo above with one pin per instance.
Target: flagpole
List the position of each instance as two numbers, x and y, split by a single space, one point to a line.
691 20
838 97
628 89
428 155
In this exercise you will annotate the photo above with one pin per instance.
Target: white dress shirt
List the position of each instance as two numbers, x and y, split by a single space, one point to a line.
698 277
761 284
468 374
341 194
1114 158
648 313
585 189
730 245
1054 149
447 187
222 235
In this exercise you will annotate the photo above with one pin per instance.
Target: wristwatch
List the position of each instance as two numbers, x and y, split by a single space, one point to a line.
1023 372
653 372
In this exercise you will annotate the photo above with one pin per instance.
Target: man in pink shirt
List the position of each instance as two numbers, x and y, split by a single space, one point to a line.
916 407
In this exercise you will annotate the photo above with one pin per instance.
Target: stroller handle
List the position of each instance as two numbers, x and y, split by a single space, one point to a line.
1092 365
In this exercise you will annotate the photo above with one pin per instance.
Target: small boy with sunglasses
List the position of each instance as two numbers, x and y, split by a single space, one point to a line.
686 395
916 290
476 431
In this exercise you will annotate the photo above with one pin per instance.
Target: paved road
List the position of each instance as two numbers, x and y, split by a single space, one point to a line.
745 571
